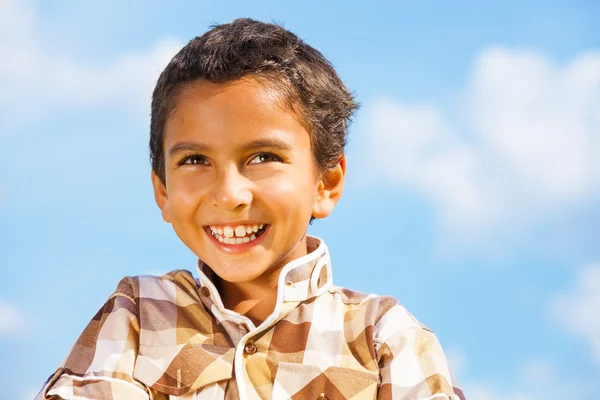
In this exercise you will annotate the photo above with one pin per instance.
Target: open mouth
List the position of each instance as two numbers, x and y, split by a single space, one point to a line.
237 234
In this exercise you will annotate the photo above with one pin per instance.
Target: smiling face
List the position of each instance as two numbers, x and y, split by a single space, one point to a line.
241 181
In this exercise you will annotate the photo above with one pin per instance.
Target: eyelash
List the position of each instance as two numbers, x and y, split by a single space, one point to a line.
273 157
186 160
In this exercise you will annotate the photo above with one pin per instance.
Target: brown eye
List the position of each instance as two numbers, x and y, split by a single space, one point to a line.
194 160
263 158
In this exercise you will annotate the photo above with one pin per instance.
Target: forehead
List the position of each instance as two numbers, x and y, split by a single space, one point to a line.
233 111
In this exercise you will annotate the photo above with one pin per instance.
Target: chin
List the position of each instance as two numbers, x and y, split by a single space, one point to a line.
236 273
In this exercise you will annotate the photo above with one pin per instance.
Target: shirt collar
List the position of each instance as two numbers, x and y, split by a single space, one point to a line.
301 279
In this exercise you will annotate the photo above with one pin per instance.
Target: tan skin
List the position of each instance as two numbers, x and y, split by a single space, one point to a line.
235 155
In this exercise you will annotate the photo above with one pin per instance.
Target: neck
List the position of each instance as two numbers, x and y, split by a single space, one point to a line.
255 300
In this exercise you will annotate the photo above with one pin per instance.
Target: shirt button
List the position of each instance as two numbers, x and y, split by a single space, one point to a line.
205 291
250 348
322 397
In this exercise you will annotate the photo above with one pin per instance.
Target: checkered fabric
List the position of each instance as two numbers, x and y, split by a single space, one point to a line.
170 337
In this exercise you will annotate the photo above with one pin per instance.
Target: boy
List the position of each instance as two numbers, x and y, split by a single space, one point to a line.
248 131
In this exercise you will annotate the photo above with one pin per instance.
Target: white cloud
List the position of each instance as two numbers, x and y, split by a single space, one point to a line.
484 392
538 372
30 393
456 360
473 389
525 141
42 83
412 146
12 320
534 379
542 379
37 79
579 310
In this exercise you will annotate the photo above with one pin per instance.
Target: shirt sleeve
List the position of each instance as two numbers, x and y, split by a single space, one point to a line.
411 361
100 364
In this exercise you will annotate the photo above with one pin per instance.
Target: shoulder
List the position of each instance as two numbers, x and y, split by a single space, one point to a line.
168 287
384 313
162 303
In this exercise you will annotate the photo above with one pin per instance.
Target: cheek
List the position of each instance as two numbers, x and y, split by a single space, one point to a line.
290 193
185 196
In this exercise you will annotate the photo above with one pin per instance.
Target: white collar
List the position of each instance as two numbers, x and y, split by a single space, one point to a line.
299 280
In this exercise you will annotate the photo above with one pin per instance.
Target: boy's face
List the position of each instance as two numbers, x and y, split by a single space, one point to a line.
241 183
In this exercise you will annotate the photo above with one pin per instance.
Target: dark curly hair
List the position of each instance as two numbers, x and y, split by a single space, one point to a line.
274 56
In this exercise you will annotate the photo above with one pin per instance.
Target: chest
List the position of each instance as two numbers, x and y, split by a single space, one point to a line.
319 351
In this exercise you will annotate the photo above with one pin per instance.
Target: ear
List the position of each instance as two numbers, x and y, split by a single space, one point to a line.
161 197
329 190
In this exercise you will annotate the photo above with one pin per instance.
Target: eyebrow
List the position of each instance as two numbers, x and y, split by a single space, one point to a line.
267 143
187 146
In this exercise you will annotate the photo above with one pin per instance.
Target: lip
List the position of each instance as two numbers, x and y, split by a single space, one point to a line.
236 248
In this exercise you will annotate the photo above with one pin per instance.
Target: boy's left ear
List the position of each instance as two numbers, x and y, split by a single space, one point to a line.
329 191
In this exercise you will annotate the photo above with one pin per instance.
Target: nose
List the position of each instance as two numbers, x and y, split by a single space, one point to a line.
232 190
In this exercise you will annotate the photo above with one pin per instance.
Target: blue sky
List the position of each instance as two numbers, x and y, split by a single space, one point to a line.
473 188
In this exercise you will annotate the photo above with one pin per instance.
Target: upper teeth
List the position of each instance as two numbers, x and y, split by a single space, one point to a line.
239 230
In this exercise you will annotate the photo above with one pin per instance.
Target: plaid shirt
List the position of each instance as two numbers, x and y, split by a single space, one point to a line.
170 337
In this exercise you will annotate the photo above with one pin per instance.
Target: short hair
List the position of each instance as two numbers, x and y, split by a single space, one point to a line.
274 56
